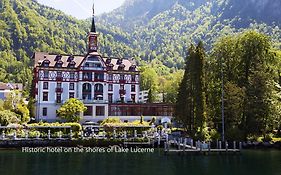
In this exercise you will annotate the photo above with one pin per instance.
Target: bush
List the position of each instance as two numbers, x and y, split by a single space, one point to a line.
267 138
75 127
7 117
234 134
215 135
111 120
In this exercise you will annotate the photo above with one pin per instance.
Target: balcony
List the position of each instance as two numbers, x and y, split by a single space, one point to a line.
122 81
59 90
93 101
59 79
99 80
122 92
87 78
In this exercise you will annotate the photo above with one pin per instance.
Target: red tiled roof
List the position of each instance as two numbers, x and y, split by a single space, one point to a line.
10 86
40 57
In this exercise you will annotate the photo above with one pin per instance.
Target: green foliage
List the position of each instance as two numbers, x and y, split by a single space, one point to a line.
111 120
191 101
70 110
7 117
31 107
75 127
249 72
22 112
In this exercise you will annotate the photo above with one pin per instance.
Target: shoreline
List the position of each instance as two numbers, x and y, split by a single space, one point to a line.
14 144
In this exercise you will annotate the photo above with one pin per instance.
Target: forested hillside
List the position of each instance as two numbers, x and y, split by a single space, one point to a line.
27 26
164 29
152 31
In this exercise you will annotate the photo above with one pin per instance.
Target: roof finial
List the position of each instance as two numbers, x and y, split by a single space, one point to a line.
93 8
93 28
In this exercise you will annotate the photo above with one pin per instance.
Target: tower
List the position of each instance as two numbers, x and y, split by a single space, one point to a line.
93 36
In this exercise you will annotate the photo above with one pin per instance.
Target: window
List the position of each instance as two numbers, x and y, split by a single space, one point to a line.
71 75
110 77
45 85
122 77
71 95
87 76
110 98
59 74
58 85
133 78
71 86
46 63
98 76
46 74
121 86
133 97
45 96
100 110
133 88
89 111
58 97
45 112
110 87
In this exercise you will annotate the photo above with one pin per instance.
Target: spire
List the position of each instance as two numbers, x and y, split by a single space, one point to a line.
93 36
93 28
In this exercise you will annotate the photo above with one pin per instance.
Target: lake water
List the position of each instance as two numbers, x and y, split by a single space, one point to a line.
248 163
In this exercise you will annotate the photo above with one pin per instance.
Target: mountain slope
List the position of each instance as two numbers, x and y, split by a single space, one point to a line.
27 26
152 31
164 29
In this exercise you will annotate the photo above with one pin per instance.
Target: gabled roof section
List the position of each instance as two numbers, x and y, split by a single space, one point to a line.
91 57
11 86
39 57
116 62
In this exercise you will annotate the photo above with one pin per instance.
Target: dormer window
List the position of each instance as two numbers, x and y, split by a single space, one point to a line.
110 66
59 63
46 63
132 68
70 58
121 67
71 64
58 57
93 58
119 61
108 61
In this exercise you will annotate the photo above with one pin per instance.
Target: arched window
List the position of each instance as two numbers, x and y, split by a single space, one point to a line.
99 88
98 92
86 91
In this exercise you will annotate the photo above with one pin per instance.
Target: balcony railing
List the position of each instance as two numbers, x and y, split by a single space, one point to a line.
99 80
59 90
122 81
87 78
122 92
59 78
93 101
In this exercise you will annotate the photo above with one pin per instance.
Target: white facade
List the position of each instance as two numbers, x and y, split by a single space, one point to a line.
95 83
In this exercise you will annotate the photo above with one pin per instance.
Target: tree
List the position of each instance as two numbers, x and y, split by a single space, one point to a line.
184 105
70 110
199 88
7 117
23 112
248 71
149 81
31 107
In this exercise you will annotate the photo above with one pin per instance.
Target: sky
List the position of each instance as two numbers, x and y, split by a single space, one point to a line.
82 9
